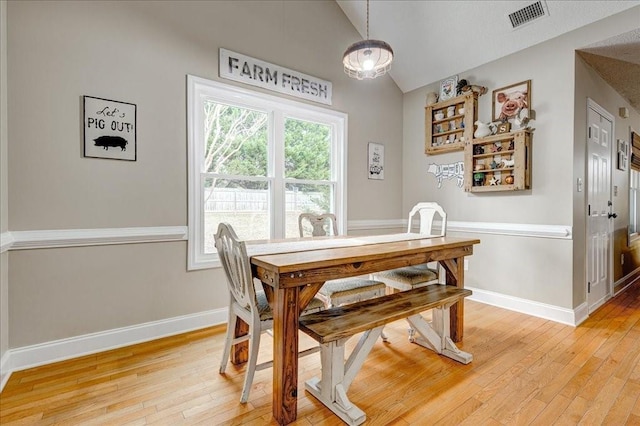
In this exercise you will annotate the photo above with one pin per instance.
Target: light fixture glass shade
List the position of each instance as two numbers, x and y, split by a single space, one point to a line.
367 59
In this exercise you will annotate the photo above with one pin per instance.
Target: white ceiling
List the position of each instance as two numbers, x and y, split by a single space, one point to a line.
433 40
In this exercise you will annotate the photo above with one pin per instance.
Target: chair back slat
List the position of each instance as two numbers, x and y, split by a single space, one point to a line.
235 261
427 212
319 225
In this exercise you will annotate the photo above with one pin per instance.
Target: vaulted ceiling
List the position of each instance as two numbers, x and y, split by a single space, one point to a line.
617 61
433 40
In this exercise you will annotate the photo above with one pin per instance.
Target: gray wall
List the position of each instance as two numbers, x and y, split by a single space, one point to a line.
537 269
4 216
141 52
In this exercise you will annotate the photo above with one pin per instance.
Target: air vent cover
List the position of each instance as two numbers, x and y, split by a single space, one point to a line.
527 14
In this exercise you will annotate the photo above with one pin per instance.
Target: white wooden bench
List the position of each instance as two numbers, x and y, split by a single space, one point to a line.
333 327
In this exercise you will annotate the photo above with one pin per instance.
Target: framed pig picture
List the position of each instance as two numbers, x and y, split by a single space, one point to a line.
512 102
109 129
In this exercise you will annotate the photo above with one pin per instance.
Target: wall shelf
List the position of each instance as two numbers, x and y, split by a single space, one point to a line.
498 163
450 132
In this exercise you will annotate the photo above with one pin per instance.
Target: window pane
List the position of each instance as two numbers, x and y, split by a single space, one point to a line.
242 203
236 140
634 211
305 199
307 150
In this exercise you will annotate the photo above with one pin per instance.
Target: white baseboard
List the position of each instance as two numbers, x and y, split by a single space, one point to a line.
626 281
4 371
581 313
529 307
59 350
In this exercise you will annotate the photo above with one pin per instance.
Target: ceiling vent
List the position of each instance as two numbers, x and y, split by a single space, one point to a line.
528 14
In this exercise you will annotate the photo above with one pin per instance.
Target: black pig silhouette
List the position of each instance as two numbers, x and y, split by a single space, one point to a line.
107 141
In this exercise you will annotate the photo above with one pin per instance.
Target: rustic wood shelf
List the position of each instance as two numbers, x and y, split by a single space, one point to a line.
491 154
448 132
499 169
437 139
513 171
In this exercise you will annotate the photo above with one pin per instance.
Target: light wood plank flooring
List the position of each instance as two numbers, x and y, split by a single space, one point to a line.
525 370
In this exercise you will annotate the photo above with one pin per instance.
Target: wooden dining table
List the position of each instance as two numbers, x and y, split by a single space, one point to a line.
292 272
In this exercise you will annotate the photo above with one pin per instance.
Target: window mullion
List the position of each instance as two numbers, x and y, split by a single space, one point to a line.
338 176
278 190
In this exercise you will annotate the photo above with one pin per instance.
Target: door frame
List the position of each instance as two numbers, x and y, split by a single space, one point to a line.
591 104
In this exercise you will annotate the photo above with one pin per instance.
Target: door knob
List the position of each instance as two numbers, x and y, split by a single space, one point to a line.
612 215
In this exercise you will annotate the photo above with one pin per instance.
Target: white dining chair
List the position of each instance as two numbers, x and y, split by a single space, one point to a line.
410 277
246 303
317 225
341 291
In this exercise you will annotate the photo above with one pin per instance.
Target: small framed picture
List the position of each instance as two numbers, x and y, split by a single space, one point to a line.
448 88
623 149
109 129
375 154
512 102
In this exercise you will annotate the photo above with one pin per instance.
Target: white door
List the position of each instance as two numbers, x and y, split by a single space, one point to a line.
599 218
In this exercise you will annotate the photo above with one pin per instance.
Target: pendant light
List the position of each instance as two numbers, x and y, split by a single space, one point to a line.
367 58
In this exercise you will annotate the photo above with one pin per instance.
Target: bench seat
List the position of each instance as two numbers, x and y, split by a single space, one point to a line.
333 327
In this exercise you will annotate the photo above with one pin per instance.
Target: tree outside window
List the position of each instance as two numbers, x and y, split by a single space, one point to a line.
259 163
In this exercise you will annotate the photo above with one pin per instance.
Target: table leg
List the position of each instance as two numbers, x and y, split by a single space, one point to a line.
286 311
455 276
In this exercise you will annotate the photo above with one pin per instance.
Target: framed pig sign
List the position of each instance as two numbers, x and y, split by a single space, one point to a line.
109 129
512 102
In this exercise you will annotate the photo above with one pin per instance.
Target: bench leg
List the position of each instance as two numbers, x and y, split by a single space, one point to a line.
436 336
337 376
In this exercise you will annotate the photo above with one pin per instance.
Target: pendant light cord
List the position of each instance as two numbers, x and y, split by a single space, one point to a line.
367 19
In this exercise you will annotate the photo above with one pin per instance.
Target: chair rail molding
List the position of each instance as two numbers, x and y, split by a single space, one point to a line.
39 239
364 225
563 232
20 240
6 241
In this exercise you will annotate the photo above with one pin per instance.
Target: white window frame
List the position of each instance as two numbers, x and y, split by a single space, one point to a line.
634 195
278 109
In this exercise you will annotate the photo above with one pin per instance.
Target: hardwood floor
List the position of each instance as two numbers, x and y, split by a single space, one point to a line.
525 370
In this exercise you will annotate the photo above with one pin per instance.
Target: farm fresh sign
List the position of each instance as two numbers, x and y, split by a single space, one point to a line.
109 129
238 67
